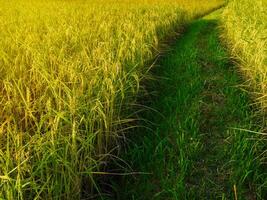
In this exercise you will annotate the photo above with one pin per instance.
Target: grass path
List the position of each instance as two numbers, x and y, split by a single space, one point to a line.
194 150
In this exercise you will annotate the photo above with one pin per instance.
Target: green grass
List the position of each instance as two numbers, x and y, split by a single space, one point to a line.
196 144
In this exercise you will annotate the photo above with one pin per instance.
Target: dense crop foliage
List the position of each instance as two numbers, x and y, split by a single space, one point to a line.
245 29
244 26
68 71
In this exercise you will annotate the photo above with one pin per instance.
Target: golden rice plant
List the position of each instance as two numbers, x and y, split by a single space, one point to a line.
244 25
69 71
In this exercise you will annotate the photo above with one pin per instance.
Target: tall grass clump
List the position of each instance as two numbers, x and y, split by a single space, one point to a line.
245 29
69 72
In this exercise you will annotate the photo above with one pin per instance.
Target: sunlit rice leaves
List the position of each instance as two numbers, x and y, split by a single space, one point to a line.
245 30
69 71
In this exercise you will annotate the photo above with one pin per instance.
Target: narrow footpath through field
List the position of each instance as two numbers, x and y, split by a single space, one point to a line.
195 151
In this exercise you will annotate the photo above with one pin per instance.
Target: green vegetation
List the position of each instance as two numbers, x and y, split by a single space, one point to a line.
203 141
69 71
244 25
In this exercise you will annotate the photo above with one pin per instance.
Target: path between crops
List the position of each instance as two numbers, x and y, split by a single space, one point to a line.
189 150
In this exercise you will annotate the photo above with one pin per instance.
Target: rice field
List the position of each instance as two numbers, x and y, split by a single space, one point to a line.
244 26
70 71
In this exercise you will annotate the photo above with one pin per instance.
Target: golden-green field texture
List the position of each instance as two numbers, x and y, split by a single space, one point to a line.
245 30
69 72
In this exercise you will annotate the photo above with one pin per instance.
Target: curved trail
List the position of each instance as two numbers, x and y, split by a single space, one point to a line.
194 151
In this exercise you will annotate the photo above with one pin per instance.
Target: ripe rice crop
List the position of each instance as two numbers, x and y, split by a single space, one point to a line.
69 70
245 30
